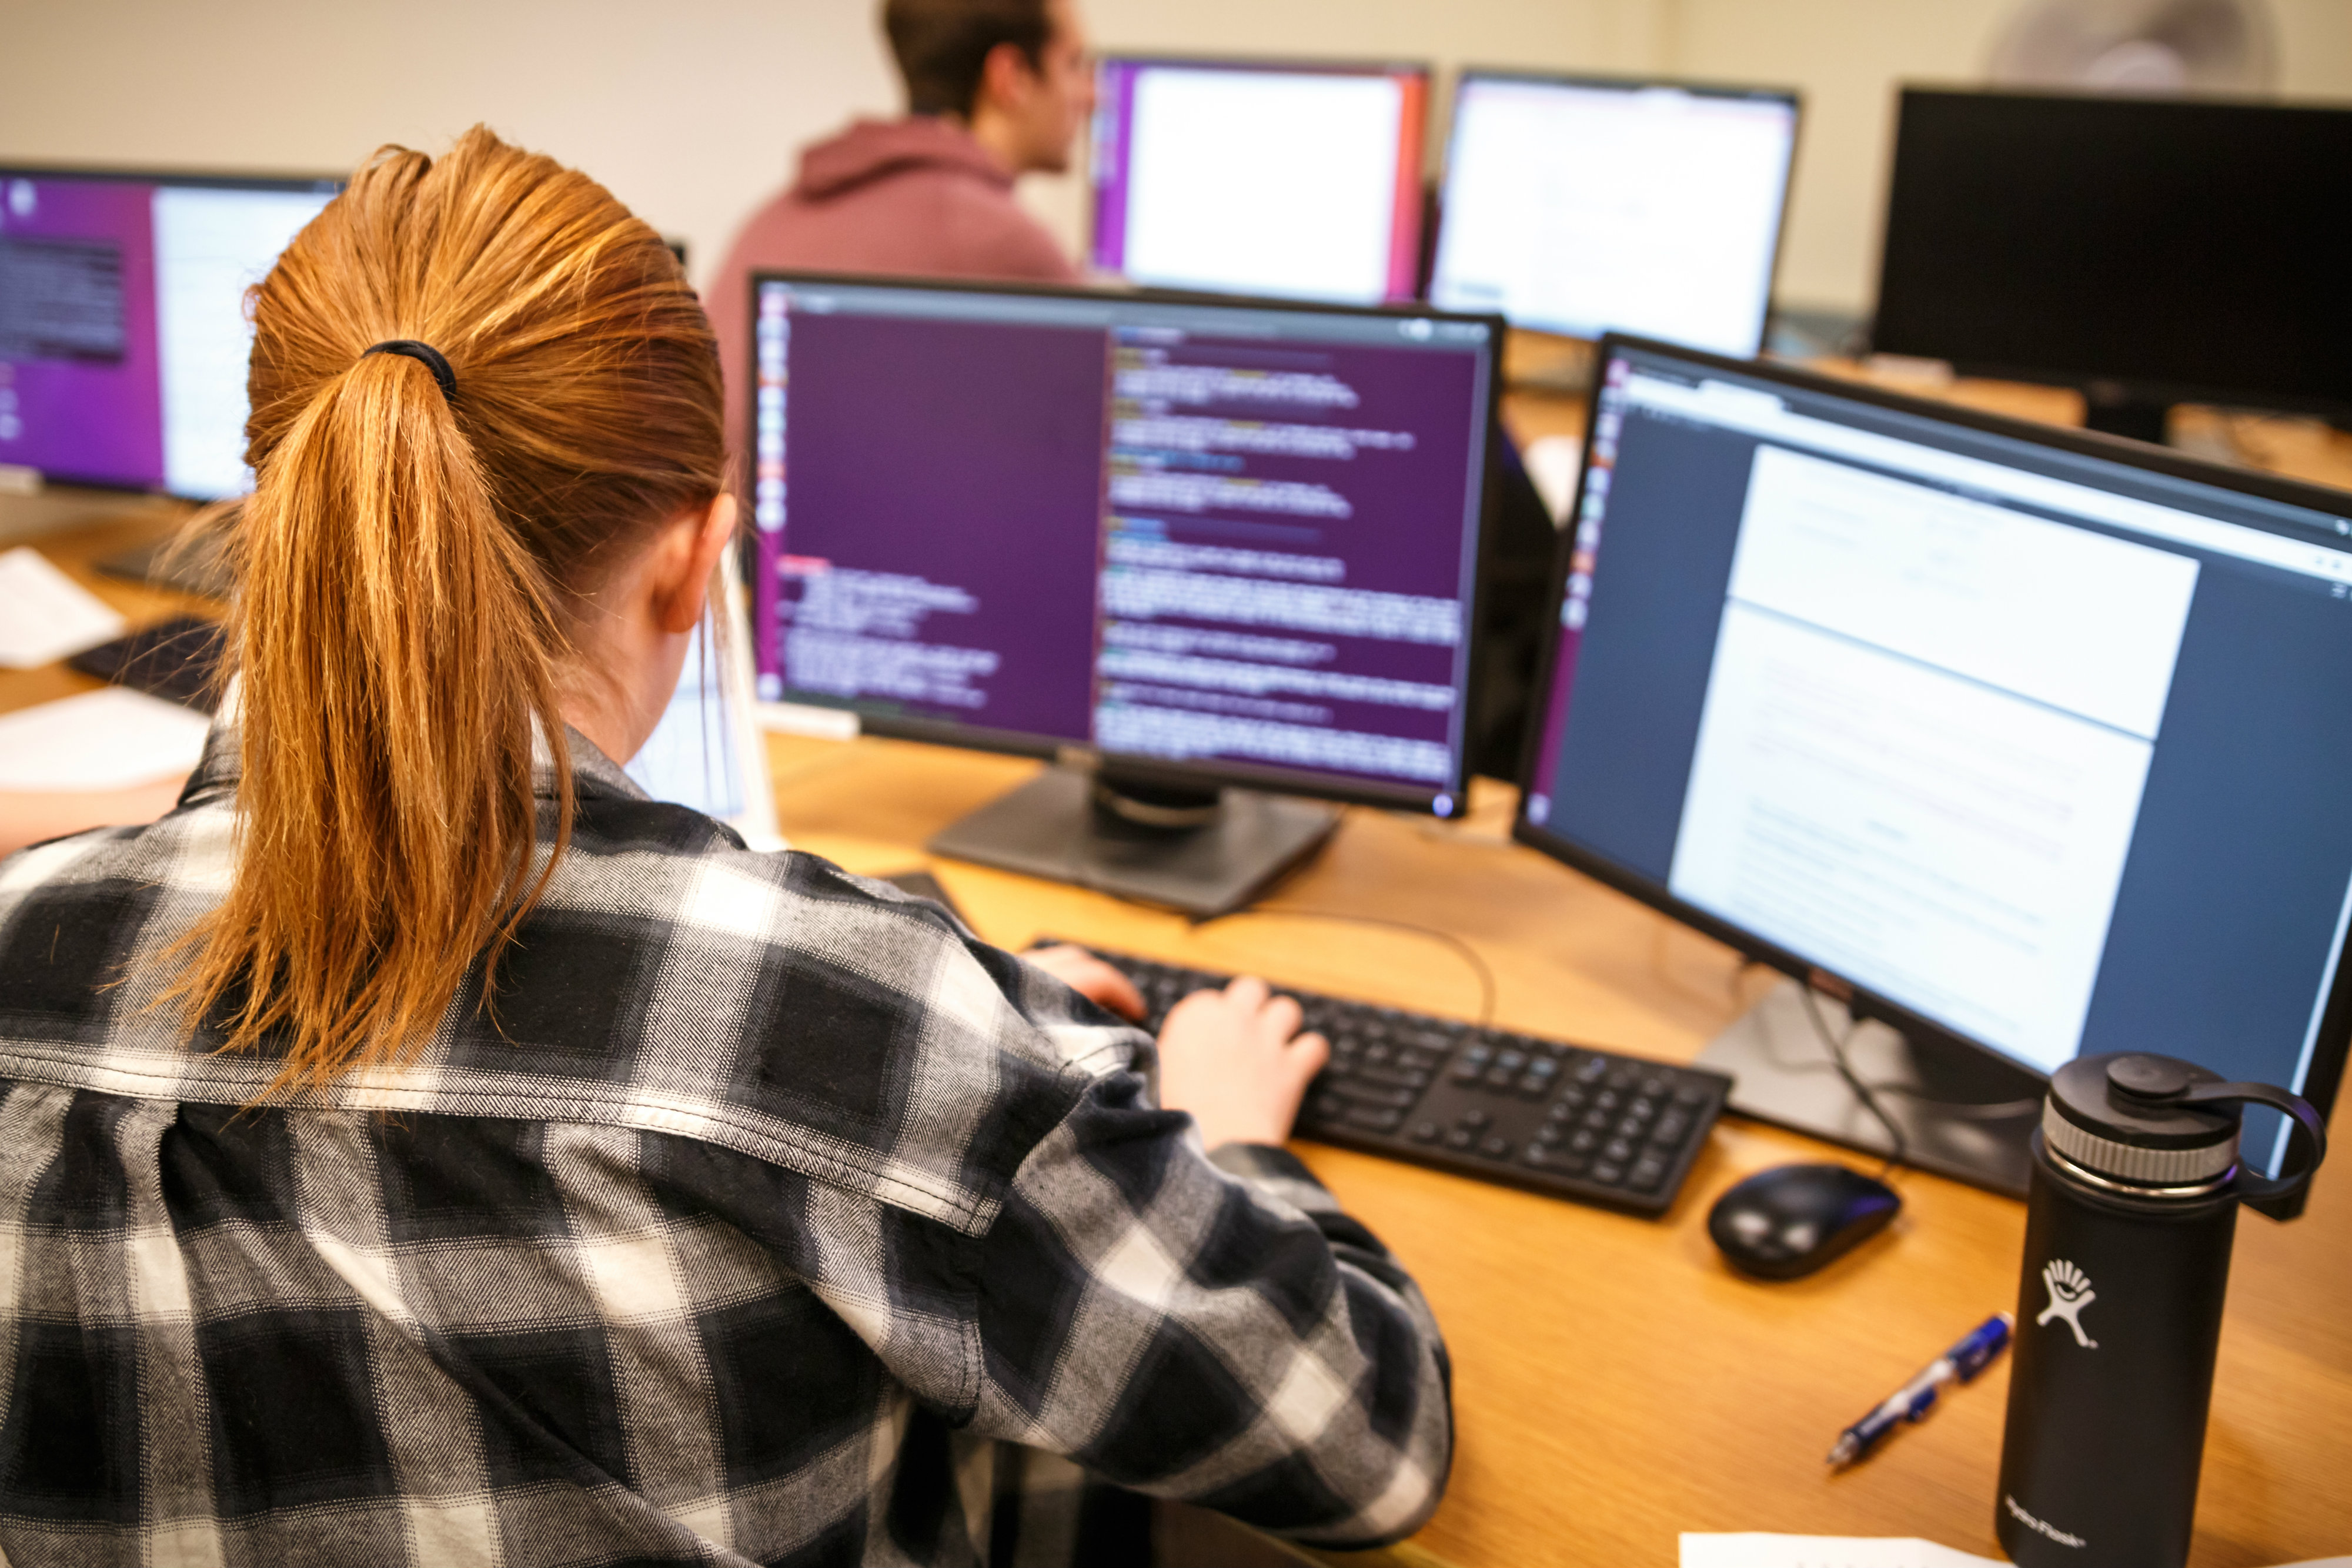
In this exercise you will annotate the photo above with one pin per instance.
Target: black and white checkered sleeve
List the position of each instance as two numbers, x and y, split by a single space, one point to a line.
1214 1330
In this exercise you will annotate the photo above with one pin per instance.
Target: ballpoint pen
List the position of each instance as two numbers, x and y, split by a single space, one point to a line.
1916 1398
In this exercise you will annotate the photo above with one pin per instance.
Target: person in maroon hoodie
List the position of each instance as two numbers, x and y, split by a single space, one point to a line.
995 90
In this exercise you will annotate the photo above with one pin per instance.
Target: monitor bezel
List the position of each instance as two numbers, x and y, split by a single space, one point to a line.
1136 766
1793 97
2158 389
1418 231
2334 1035
212 179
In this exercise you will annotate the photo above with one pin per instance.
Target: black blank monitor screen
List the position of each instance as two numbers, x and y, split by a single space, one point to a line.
1237 538
1587 206
2046 750
2182 246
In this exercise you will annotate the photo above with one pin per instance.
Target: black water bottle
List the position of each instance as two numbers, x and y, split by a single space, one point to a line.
2136 1184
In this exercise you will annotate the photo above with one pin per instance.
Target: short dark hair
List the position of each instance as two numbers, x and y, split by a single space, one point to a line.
943 45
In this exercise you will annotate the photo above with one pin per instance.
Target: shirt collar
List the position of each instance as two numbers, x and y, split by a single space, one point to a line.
594 774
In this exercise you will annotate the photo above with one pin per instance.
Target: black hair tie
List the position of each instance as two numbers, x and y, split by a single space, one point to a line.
425 354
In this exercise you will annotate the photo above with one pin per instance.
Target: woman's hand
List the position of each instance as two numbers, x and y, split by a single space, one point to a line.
1091 978
1235 1060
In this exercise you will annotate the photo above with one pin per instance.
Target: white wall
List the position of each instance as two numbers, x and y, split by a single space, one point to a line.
1849 54
690 110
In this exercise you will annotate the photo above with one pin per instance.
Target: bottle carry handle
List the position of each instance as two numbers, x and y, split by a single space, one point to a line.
2250 1187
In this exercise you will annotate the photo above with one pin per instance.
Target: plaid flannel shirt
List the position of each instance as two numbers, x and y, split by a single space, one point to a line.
775 1220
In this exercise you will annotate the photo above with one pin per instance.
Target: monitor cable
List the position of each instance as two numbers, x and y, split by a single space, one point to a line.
1469 955
1862 1091
1958 1110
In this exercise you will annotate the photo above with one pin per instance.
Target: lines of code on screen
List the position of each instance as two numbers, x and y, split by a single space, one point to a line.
1218 547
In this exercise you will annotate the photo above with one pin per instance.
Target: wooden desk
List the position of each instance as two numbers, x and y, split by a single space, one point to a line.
1614 1384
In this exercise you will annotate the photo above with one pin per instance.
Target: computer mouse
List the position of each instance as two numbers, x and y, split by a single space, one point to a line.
1785 1222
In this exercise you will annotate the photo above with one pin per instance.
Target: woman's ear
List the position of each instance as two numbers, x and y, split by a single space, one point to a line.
680 599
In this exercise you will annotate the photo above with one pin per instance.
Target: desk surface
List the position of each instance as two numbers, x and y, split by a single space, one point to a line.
1614 1384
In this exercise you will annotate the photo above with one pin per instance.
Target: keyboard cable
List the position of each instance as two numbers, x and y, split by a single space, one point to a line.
1469 955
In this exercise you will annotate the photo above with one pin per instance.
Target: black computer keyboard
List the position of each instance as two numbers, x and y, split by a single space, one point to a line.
1566 1120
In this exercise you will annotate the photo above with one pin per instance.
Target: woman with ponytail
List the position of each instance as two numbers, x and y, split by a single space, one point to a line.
419 1147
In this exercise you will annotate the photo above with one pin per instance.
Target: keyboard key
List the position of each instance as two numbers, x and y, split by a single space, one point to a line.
1648 1171
1584 1141
1669 1128
1460 1138
1427 1132
1375 1118
1621 1077
1617 1151
1641 1110
1495 1148
1551 1137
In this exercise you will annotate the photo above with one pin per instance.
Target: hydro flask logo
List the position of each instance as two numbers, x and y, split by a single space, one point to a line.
2069 1292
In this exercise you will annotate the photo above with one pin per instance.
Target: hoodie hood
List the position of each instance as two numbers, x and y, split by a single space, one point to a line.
872 148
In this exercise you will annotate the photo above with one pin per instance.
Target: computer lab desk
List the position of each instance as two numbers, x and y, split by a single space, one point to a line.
1613 1383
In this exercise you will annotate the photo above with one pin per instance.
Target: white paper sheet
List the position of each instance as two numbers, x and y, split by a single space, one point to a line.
1765 1551
45 615
1553 463
106 739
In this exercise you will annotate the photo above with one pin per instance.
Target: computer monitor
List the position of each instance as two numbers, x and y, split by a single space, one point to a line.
123 338
1192 543
1296 179
2150 251
2031 742
1582 206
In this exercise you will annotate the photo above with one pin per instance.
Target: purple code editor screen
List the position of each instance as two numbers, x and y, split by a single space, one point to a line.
1181 532
81 393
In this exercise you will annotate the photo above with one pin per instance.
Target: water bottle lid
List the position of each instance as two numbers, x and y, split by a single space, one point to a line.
2120 1117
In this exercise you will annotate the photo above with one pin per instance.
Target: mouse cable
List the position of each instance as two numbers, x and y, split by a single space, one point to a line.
1470 955
1853 1080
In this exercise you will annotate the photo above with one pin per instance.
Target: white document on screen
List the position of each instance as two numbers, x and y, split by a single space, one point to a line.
1580 210
1924 741
210 247
1264 182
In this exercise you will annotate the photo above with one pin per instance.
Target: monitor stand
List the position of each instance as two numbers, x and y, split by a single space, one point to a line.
1201 852
2116 409
1963 1114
